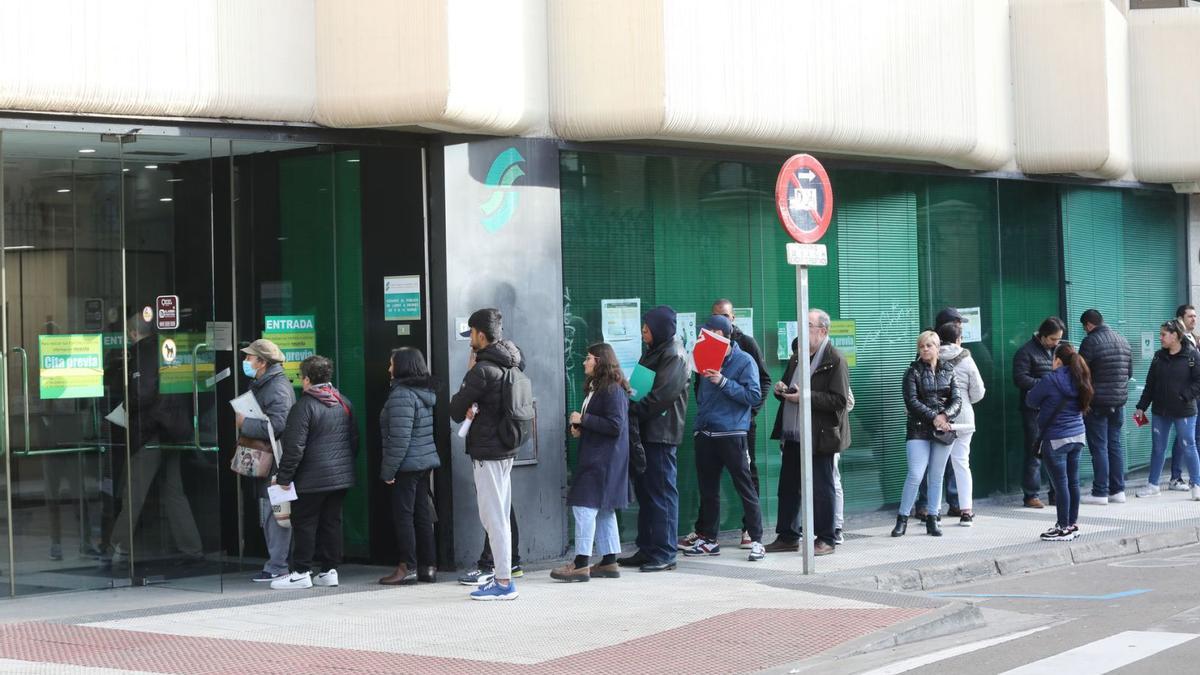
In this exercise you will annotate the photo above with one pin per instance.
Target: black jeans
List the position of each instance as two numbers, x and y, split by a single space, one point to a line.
751 436
712 455
1032 478
317 530
787 525
413 514
485 558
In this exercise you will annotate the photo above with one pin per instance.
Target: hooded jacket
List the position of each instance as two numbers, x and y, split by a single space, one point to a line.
967 378
726 407
927 394
406 427
1110 359
1045 397
1172 383
481 385
320 442
661 414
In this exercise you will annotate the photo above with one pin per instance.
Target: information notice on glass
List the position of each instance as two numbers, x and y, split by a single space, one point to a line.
175 375
296 337
842 336
402 298
972 324
621 323
70 366
744 319
685 329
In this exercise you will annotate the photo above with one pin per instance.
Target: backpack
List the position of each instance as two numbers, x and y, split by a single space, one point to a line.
517 412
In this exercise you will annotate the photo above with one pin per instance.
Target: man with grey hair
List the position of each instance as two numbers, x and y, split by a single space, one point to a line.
830 394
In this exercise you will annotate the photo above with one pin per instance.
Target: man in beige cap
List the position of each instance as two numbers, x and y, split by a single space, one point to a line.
275 395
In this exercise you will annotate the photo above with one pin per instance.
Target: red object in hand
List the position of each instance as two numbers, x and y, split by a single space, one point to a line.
1140 420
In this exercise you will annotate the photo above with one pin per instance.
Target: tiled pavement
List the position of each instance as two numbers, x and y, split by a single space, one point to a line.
718 614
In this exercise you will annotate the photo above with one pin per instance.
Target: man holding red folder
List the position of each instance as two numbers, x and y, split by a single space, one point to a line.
725 398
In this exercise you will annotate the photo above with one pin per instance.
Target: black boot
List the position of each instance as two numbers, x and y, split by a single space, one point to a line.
901 526
931 526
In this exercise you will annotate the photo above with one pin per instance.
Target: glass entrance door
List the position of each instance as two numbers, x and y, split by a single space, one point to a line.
110 464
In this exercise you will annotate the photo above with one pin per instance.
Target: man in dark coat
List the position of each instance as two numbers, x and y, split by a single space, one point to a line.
1110 358
658 419
830 387
1033 361
275 396
319 445
479 400
1186 314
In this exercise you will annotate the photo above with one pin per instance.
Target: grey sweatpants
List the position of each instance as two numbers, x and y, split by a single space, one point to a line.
493 493
279 539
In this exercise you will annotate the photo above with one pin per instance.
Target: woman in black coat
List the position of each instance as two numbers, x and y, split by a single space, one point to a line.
318 464
600 484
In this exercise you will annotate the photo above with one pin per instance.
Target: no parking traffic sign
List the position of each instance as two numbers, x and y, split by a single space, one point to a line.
804 198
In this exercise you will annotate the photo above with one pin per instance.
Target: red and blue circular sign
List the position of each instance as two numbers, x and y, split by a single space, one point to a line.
804 198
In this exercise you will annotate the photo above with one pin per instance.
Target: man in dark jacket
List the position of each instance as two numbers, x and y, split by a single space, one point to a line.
319 445
1031 363
723 409
830 387
659 418
1110 359
479 400
275 396
1186 314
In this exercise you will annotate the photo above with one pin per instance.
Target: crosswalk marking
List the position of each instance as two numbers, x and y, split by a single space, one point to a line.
1103 656
950 652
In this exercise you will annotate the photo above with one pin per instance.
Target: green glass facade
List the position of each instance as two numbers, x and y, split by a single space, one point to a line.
684 231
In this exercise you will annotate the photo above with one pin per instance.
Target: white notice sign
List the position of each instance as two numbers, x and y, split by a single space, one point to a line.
972 324
1148 345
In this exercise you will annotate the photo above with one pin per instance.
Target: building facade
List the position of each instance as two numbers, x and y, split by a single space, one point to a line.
346 178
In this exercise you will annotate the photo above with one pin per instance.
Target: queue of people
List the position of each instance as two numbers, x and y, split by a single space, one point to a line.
627 444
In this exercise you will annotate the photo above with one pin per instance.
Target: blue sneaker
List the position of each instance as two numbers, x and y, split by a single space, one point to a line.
494 591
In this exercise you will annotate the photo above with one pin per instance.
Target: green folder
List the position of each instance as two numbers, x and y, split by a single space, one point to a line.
641 382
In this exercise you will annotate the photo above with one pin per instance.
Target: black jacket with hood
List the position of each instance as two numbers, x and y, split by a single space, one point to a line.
662 413
481 385
319 443
1172 383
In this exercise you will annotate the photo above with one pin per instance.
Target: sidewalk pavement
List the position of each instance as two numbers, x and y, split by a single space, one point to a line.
720 614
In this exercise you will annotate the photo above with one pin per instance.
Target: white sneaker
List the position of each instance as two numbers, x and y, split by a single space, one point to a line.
1148 491
1196 493
1093 499
1117 498
1178 485
295 580
326 578
757 551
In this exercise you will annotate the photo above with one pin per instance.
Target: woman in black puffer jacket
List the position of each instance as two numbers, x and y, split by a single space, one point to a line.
409 457
932 399
318 463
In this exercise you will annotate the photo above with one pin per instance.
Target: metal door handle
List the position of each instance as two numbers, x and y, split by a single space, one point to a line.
196 394
24 392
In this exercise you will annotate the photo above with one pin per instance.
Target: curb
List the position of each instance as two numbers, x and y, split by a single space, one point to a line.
955 617
927 578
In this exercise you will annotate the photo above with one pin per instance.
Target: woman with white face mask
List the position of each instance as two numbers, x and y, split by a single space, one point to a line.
275 395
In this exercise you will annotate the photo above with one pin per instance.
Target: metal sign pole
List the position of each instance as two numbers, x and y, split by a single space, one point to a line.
805 413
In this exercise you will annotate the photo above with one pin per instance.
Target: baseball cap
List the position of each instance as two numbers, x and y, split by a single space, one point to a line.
948 315
717 322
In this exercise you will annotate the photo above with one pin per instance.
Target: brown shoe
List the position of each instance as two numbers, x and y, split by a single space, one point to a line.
821 548
606 571
781 545
401 577
570 572
953 512
427 574
1034 503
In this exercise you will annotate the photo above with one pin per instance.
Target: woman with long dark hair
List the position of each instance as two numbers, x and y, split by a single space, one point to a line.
600 484
1172 385
932 398
409 456
1062 398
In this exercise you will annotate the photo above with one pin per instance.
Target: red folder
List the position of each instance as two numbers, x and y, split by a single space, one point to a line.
709 352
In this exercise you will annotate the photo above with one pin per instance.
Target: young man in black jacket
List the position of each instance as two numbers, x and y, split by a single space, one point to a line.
659 417
1186 314
1031 363
479 400
1110 359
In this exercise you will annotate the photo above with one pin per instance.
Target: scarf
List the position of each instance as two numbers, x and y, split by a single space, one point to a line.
791 411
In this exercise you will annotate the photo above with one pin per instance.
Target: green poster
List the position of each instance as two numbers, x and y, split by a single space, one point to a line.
296 337
175 363
70 366
786 332
841 335
402 298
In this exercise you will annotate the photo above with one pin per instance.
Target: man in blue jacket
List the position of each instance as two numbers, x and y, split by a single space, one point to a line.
724 401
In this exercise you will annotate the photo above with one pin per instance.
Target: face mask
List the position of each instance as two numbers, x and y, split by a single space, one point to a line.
248 369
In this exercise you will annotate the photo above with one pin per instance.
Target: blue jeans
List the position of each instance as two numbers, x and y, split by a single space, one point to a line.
598 524
1063 466
1185 431
658 504
951 490
1108 457
1177 457
925 458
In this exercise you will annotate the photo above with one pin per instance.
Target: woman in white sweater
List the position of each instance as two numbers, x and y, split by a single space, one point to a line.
970 389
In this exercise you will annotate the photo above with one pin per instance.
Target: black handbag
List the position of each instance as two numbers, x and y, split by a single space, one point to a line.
944 437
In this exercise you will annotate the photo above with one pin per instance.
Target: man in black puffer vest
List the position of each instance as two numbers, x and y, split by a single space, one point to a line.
1031 363
1110 358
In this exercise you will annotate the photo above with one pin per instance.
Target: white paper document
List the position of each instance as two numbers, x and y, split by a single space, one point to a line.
247 405
278 495
117 416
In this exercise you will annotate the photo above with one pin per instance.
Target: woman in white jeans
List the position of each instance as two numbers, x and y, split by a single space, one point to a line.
971 391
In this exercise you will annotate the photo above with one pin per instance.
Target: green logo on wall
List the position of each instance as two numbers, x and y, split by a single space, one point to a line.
500 206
